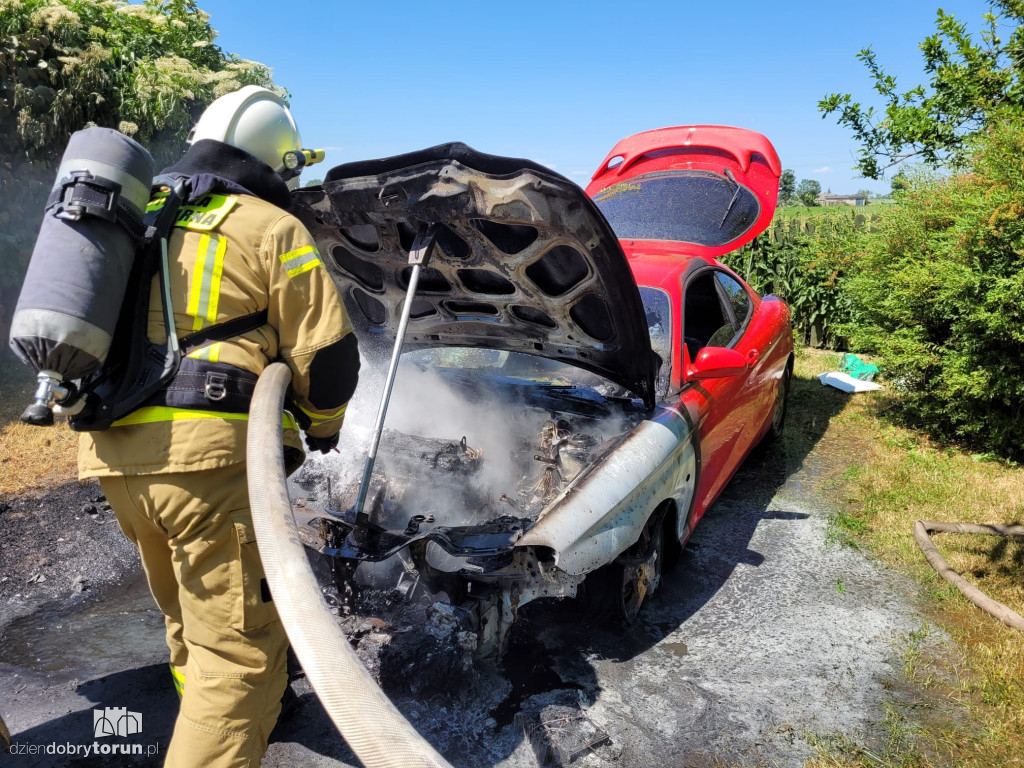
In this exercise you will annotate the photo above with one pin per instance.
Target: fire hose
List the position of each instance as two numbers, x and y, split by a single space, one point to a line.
1004 613
376 731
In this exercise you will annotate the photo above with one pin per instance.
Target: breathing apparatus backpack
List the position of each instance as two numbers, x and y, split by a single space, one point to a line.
82 317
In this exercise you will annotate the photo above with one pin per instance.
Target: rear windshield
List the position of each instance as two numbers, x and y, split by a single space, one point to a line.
698 207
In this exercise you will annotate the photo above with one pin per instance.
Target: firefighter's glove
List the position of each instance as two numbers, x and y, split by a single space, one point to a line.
322 444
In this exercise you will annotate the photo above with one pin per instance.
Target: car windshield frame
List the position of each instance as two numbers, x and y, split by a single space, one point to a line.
657 301
695 207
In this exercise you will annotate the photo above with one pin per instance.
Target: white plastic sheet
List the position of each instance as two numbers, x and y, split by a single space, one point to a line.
846 383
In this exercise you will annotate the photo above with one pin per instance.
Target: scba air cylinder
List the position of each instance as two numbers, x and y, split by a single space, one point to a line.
69 304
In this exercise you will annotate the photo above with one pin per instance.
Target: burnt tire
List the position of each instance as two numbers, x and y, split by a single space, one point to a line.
621 588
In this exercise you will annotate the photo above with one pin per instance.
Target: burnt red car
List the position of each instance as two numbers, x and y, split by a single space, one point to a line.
603 374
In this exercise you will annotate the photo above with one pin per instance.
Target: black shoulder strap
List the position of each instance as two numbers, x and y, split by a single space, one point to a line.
222 331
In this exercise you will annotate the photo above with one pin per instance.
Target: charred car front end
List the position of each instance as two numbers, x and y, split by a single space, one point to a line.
507 290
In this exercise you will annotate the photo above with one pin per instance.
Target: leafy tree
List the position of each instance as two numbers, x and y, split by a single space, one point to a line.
807 191
970 82
312 182
899 183
147 70
864 193
787 186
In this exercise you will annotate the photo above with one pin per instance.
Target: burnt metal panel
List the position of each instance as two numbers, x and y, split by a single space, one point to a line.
523 261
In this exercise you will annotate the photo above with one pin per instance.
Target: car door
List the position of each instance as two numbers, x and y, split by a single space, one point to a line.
715 315
750 405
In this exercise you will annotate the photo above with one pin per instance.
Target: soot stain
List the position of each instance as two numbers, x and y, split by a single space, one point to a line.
529 667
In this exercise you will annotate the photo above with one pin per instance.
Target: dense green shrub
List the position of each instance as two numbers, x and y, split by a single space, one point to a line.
147 70
806 263
940 296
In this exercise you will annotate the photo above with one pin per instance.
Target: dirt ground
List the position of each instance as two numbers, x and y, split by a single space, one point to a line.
765 636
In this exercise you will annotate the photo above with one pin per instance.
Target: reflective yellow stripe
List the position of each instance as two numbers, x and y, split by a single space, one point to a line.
318 418
213 300
196 289
210 352
179 679
300 260
204 294
156 413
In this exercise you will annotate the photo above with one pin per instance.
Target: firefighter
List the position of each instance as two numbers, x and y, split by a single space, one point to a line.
174 470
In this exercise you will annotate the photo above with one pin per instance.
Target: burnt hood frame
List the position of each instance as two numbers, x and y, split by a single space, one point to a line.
522 260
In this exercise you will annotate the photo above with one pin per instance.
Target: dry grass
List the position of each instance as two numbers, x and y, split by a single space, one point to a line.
30 457
967 708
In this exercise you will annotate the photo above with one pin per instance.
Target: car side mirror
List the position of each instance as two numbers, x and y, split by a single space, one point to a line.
716 363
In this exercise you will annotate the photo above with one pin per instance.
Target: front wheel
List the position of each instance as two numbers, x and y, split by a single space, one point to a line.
619 589
641 567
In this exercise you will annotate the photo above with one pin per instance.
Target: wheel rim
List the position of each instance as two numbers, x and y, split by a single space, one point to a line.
640 580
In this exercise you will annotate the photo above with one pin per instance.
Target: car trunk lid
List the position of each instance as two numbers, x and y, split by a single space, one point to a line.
704 189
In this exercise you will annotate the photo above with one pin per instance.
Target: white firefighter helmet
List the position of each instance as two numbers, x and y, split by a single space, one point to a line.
256 120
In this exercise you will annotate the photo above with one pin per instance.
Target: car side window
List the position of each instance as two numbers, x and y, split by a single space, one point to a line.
738 297
705 320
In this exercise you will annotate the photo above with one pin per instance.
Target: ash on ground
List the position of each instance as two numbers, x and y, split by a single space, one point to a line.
405 646
60 546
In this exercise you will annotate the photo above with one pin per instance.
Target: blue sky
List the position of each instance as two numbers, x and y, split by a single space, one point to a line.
560 82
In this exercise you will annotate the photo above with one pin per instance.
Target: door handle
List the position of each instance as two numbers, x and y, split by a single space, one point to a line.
752 356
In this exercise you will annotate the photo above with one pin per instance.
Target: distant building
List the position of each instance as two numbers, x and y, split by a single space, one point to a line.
827 198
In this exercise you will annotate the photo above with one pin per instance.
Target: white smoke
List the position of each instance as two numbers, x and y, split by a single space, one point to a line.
426 404
423 404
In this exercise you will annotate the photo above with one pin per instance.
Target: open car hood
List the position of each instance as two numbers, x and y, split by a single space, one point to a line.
710 188
522 260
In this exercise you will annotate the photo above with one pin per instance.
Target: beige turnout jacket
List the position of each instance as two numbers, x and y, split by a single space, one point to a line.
231 255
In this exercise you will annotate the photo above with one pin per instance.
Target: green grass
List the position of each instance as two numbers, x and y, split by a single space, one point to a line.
956 704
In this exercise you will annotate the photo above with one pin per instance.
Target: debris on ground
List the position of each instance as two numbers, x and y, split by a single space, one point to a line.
560 735
857 368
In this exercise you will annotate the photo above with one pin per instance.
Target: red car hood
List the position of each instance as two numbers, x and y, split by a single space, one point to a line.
710 188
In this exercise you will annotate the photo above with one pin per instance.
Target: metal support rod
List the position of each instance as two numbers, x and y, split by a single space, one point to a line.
418 256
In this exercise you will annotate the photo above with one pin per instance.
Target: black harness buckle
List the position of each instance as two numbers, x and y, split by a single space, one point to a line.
85 194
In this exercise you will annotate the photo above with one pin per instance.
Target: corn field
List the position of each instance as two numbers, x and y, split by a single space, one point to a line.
804 260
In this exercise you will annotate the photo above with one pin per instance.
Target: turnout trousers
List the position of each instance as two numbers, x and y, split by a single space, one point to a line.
194 534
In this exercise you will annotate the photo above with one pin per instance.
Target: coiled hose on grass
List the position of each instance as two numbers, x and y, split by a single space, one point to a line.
1002 612
375 730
